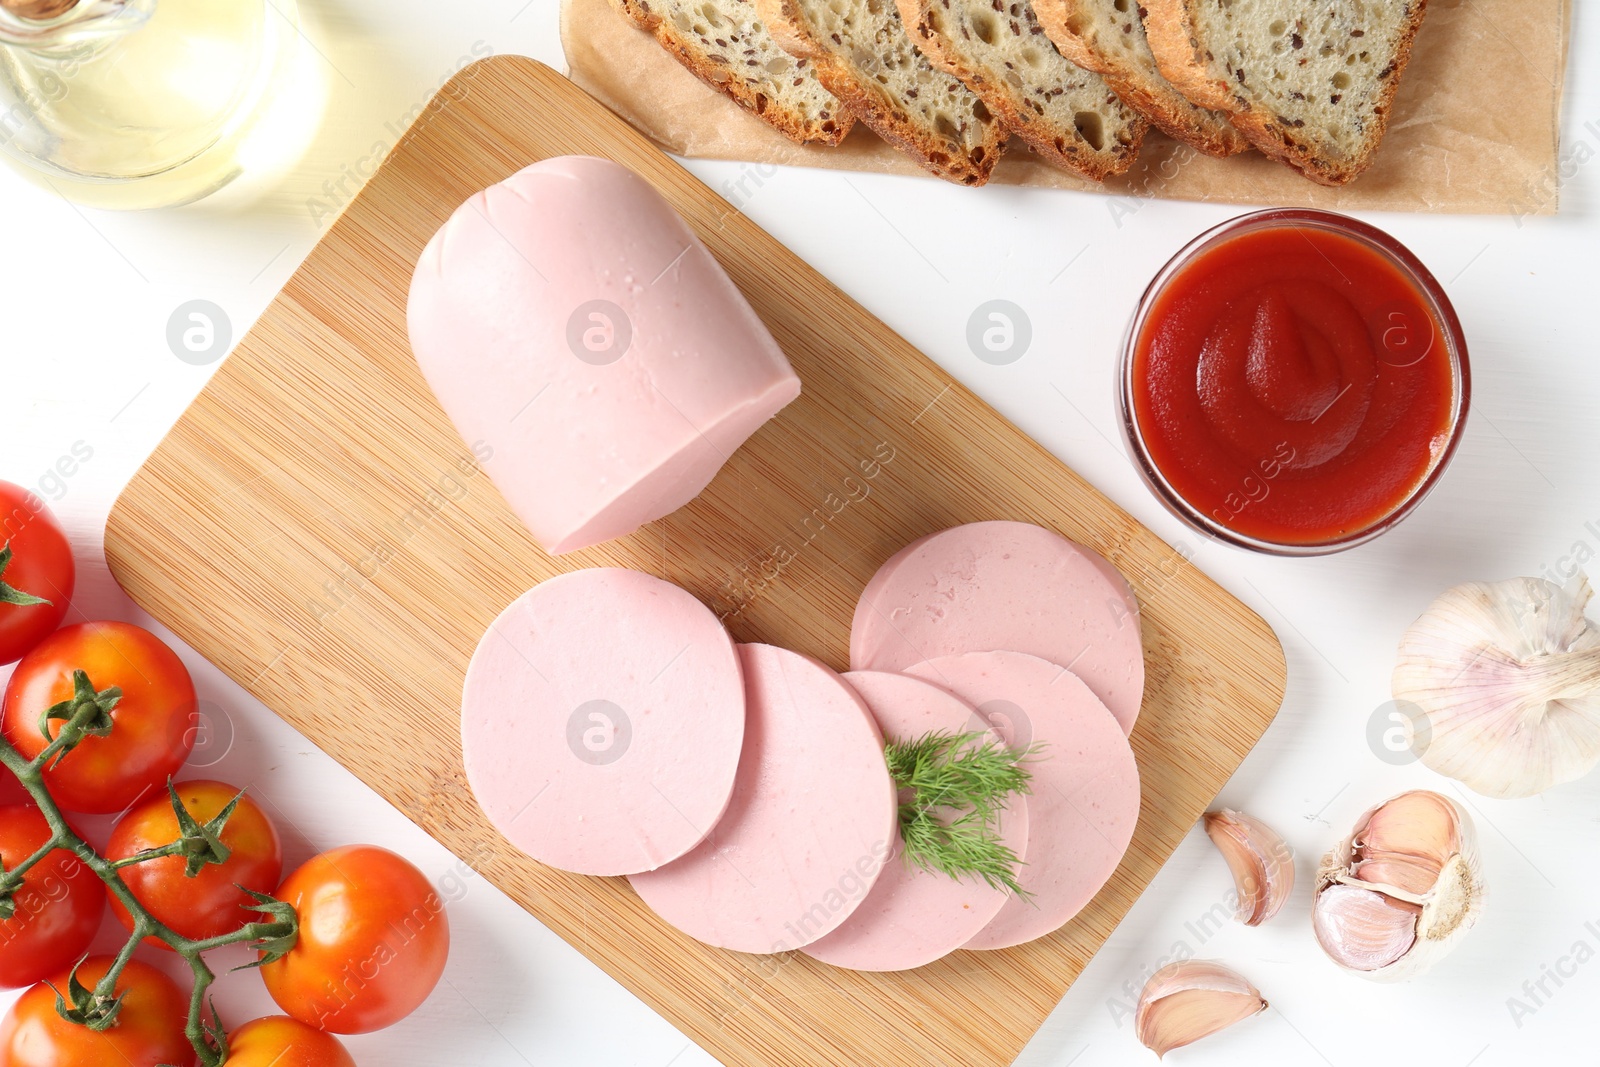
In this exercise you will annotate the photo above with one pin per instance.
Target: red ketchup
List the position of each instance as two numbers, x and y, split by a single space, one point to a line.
1293 385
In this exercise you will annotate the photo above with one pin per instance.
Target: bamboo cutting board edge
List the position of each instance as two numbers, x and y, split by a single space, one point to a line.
320 405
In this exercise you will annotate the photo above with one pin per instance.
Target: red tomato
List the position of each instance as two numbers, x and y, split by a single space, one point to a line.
151 735
148 1031
11 791
373 941
209 904
41 566
278 1041
58 908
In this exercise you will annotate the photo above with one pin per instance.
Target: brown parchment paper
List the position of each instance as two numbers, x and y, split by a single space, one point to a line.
1475 127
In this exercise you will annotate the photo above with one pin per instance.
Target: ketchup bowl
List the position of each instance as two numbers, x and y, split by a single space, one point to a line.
1293 382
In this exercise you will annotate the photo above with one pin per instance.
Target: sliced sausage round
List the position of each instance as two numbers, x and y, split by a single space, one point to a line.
914 916
1005 585
1085 797
811 822
602 720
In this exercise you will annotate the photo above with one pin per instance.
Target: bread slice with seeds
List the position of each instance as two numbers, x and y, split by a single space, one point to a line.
1311 84
1068 115
725 44
1107 37
863 56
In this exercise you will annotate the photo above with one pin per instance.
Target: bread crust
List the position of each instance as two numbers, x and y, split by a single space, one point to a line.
826 129
1169 110
1170 29
918 17
1174 38
787 26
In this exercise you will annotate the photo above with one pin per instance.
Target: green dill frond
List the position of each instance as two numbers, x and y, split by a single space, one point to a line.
953 788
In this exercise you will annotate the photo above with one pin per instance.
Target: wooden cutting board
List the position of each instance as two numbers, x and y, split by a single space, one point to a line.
314 526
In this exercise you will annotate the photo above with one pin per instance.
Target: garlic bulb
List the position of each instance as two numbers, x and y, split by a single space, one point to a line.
1397 894
1191 999
1262 863
1508 677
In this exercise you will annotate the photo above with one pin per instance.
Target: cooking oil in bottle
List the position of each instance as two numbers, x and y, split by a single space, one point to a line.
149 103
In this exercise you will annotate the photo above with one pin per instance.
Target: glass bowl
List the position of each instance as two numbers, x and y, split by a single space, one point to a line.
1447 337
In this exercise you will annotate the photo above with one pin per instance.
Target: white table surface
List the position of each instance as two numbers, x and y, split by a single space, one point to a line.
84 301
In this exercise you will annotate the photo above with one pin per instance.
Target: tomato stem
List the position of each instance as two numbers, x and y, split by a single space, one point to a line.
9 594
104 999
87 713
199 844
274 936
11 881
210 1041
147 855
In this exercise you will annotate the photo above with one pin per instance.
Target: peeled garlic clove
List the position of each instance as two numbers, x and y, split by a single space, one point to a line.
1361 929
1418 823
1507 676
1262 863
1392 912
1191 999
1391 868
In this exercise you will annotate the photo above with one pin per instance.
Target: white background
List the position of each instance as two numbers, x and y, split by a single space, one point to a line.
84 301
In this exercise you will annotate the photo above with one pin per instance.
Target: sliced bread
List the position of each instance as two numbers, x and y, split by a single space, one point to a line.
1310 84
726 45
1107 36
1066 114
862 55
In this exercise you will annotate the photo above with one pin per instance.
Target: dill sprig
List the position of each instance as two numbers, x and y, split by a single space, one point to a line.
953 788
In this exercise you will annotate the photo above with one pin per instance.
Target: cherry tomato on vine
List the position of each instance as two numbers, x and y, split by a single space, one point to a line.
40 568
373 941
57 909
152 724
149 1029
278 1041
211 903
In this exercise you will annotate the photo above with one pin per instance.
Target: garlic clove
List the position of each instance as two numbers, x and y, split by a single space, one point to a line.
1419 823
1394 869
1362 929
1507 676
1393 912
1262 863
1191 999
